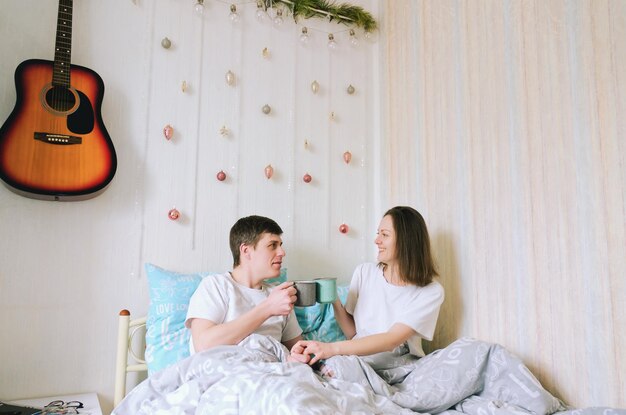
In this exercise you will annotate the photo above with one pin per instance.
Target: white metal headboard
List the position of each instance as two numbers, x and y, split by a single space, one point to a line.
127 328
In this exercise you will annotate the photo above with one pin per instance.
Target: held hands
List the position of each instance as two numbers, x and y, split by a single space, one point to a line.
281 299
313 350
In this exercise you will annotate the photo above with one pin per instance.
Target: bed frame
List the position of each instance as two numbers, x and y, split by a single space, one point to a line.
127 329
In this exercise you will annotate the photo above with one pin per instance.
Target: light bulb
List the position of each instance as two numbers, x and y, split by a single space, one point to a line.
260 11
278 20
234 16
199 7
354 41
304 37
331 42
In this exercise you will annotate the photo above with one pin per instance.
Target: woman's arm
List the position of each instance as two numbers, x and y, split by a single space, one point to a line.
376 343
344 319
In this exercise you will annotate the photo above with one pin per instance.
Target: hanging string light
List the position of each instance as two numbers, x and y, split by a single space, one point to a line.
354 17
199 7
304 36
278 20
332 44
260 11
354 41
234 16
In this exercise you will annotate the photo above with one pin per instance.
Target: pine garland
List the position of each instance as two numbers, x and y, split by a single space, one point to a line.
343 13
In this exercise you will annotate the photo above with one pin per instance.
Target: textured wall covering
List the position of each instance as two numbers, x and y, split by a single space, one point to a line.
505 125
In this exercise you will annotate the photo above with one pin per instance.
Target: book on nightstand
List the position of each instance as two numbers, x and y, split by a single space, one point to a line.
9 409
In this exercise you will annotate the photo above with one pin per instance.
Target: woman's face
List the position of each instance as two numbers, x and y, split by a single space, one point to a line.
386 241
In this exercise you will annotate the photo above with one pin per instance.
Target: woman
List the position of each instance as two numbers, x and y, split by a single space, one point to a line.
393 302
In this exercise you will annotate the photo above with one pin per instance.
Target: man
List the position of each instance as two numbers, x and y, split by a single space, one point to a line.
227 308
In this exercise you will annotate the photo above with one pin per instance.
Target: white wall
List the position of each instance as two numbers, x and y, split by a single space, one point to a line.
67 268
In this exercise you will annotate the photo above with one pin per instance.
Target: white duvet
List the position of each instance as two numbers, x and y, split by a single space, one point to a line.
469 377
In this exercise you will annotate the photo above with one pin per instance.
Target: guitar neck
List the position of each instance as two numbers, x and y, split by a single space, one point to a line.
63 45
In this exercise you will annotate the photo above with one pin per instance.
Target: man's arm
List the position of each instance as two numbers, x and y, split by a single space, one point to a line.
206 334
290 343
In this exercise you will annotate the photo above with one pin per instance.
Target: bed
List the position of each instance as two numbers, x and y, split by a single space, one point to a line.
467 377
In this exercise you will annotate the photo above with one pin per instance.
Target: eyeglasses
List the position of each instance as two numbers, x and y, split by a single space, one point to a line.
62 408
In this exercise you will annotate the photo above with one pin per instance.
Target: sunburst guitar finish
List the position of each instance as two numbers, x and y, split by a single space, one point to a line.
54 144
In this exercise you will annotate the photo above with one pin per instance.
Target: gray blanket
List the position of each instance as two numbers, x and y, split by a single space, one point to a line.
469 377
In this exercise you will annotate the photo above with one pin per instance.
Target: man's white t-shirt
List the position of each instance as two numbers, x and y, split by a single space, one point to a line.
377 305
221 299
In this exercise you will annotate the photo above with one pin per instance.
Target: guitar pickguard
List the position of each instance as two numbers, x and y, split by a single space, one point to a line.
81 121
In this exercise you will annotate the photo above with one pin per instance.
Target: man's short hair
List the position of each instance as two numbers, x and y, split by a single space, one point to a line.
248 231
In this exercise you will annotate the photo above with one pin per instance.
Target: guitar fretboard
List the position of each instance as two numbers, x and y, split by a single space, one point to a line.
63 45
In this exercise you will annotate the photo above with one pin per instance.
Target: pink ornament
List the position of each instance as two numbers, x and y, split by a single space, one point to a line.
347 156
307 178
168 132
173 214
269 171
344 228
221 176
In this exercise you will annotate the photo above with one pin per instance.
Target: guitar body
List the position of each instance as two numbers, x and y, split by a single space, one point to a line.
54 145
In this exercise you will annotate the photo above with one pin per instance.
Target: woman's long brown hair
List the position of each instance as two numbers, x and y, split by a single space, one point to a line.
413 254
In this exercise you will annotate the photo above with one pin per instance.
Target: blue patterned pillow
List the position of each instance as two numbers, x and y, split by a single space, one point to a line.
318 321
167 338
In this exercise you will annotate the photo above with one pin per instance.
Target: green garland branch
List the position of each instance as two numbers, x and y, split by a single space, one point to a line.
343 13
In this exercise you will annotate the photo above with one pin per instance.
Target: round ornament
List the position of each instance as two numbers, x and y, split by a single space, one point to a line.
315 87
307 178
221 176
173 214
168 132
269 171
343 228
350 90
347 156
230 78
166 43
266 109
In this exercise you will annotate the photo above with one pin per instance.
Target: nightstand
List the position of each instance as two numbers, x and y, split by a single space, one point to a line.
89 400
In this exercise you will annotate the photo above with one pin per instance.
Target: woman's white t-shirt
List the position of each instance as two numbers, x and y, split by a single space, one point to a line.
377 305
220 299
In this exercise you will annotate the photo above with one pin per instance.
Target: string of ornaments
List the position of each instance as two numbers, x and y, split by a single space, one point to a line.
351 16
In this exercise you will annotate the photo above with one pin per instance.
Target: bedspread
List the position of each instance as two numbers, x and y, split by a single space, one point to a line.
468 377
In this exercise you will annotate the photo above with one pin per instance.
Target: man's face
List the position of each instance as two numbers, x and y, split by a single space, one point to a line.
266 258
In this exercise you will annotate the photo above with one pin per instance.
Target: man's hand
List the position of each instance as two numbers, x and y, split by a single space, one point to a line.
281 299
297 354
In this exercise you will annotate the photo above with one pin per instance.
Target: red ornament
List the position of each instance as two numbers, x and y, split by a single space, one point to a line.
168 132
221 176
173 214
269 171
344 228
307 178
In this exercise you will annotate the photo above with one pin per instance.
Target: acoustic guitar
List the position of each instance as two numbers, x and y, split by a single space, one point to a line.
54 145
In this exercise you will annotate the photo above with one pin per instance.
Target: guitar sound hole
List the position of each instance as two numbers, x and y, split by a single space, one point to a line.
60 99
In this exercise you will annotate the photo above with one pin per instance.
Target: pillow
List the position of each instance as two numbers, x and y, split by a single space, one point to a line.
167 338
318 321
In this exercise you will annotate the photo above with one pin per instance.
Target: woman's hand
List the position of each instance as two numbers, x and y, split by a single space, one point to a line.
317 350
